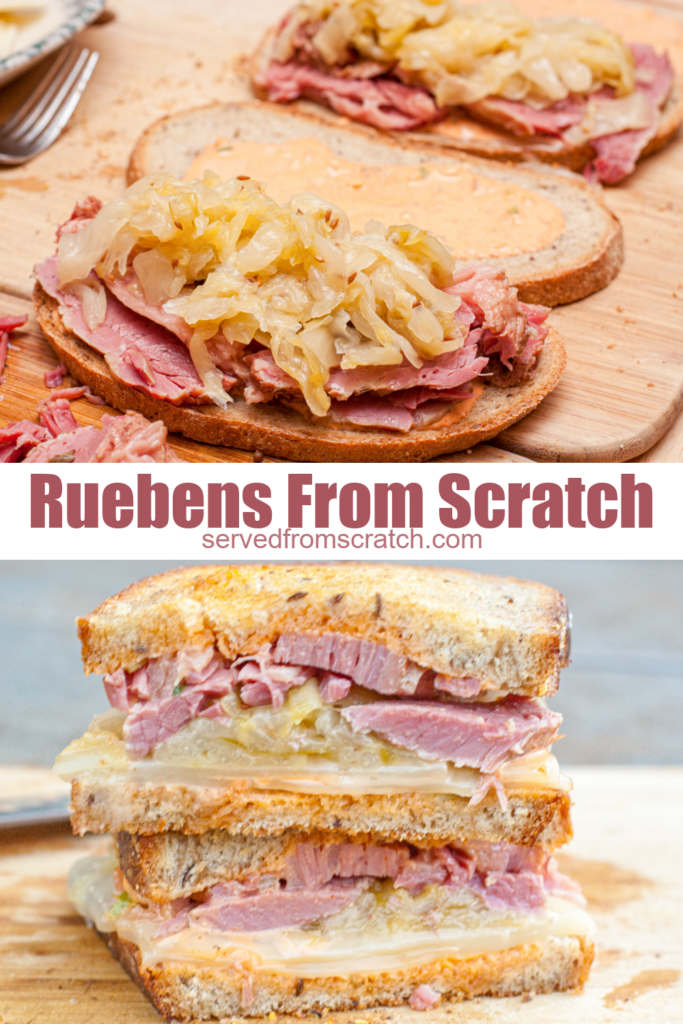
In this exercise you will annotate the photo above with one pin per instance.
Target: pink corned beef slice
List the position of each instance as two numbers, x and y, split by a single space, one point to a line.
470 735
138 352
424 998
319 881
371 92
7 325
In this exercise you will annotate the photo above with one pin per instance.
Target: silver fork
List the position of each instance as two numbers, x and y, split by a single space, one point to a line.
42 117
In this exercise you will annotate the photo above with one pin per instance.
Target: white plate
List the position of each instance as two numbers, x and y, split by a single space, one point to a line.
57 22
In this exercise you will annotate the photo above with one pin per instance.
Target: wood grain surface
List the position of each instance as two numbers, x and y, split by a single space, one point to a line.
623 387
626 854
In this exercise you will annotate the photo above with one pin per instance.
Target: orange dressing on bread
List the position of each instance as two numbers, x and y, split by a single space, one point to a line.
477 216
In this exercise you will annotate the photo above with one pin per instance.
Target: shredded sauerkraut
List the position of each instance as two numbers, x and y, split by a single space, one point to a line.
230 262
465 53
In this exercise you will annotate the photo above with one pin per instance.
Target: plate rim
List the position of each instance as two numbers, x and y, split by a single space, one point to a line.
87 11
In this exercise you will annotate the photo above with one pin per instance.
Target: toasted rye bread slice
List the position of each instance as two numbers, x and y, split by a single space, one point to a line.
189 992
275 429
498 144
583 259
113 804
171 865
508 632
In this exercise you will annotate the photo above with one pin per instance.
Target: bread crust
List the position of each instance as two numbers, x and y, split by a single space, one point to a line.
277 430
115 804
509 147
510 633
187 992
170 865
584 259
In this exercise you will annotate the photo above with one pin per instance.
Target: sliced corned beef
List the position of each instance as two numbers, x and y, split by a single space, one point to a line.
382 102
265 683
7 325
151 722
617 154
79 445
480 736
17 439
132 438
333 687
424 998
129 293
313 865
368 664
82 213
370 412
138 352
522 891
319 880
522 119
237 908
439 866
56 416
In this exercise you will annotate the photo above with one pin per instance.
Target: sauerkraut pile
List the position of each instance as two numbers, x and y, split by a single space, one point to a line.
465 53
235 266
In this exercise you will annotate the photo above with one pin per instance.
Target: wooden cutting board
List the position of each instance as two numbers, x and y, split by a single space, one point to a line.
624 382
626 854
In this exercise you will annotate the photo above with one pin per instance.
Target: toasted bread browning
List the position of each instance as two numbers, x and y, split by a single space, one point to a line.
184 992
513 633
114 804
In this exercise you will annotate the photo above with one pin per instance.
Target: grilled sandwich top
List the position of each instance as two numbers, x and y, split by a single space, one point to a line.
511 634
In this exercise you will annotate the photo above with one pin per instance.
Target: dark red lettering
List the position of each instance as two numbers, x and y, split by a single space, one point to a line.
483 513
398 504
117 498
324 493
296 499
356 495
629 489
90 516
148 494
261 514
550 512
449 485
224 506
46 490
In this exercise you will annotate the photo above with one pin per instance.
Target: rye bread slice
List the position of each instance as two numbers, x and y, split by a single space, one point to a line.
120 803
190 992
275 429
583 259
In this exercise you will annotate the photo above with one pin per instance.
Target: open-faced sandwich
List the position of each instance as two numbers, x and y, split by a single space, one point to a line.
562 89
240 321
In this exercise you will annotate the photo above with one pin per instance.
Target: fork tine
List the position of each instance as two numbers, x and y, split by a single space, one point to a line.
60 95
63 114
27 108
23 129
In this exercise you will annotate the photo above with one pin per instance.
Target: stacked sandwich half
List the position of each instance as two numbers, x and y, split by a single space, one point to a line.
329 787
